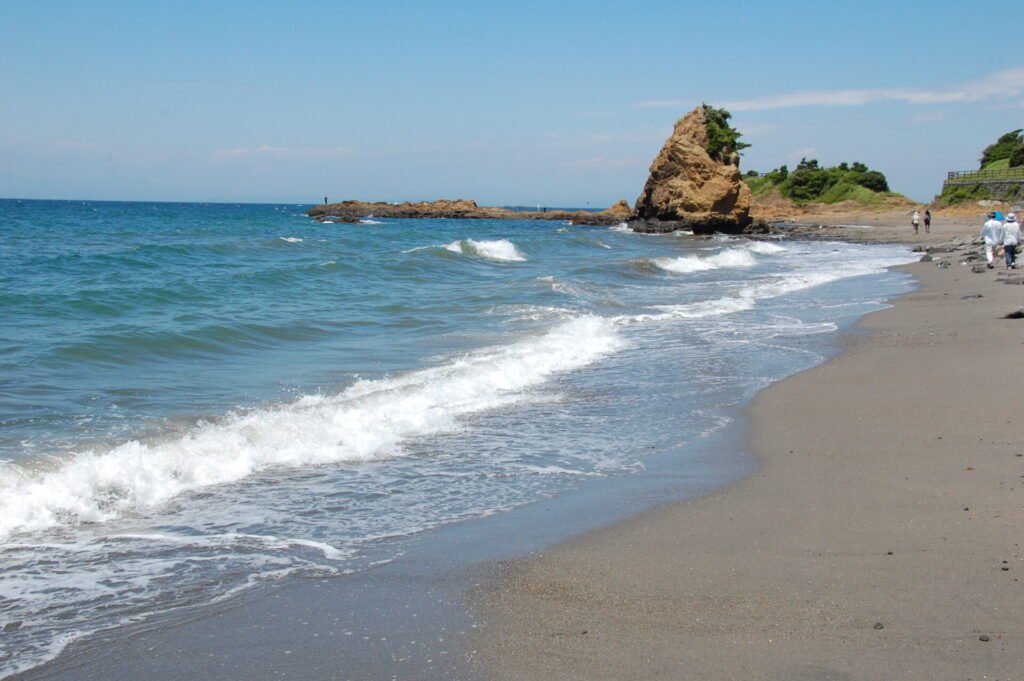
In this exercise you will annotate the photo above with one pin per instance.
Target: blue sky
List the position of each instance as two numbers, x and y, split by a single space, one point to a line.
522 103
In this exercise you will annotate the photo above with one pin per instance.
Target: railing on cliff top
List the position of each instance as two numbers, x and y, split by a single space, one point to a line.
991 175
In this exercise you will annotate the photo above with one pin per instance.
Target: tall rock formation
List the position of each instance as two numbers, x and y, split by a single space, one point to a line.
688 189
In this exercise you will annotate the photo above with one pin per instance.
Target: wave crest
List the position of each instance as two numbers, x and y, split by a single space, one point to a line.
764 247
729 258
498 249
368 421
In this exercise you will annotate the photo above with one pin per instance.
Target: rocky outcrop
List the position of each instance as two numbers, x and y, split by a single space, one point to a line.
688 189
464 209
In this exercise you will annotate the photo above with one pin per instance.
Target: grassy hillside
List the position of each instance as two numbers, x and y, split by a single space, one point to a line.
810 183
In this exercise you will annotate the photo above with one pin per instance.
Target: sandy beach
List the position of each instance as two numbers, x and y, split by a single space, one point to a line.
881 538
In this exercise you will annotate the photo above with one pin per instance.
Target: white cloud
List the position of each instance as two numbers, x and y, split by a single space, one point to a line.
226 154
806 152
302 152
72 145
759 129
279 152
600 163
994 86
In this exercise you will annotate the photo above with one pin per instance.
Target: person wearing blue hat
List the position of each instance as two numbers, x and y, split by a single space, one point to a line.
1011 239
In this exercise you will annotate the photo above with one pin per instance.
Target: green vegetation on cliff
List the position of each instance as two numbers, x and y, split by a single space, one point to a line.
724 140
1000 176
1005 152
811 183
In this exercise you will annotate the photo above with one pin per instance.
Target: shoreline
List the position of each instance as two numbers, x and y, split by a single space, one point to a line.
879 540
227 636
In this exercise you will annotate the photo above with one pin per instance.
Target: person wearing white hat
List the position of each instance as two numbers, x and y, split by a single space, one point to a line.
993 234
1011 239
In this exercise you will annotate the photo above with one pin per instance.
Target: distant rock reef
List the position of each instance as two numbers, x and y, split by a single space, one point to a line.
464 209
688 188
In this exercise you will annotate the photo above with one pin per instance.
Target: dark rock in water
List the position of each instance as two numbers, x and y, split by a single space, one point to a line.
687 185
1016 314
758 227
926 258
13 626
350 219
657 226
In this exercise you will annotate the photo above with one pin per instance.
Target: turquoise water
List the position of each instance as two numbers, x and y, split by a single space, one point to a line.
198 397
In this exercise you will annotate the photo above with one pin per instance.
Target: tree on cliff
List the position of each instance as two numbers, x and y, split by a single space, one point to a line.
724 140
810 182
1009 146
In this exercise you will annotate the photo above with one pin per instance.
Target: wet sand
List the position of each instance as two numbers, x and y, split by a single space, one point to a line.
881 538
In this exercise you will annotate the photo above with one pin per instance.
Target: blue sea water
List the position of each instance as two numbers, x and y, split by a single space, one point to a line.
195 398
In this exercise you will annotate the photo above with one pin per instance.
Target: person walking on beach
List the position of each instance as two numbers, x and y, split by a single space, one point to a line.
1011 239
916 220
927 221
993 235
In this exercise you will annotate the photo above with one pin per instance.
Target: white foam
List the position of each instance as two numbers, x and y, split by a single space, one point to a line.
764 248
368 421
621 227
368 221
729 258
291 239
748 296
498 249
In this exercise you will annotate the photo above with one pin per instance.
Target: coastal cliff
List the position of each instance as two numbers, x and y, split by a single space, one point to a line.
691 185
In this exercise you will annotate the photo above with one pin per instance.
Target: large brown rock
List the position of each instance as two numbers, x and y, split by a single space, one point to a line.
687 188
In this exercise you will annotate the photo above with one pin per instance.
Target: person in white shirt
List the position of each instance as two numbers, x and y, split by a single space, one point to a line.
993 234
916 220
1011 239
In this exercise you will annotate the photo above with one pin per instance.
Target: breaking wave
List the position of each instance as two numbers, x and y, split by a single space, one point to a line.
498 249
729 258
368 421
764 247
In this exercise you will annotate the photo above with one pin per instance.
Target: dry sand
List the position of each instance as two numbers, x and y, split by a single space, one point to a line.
880 540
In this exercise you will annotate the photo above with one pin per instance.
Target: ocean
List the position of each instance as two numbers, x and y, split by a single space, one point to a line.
196 399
